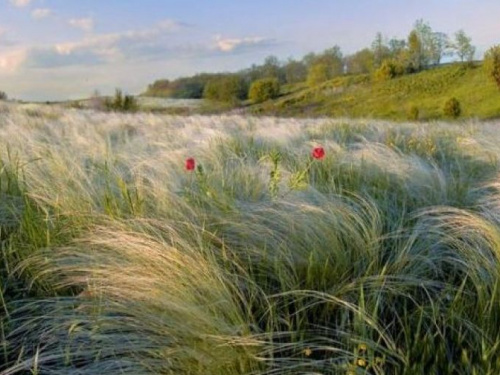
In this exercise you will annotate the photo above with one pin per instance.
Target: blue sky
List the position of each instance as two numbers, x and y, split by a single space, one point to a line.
58 49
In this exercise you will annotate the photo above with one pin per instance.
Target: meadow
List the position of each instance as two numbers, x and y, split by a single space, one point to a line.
360 95
382 257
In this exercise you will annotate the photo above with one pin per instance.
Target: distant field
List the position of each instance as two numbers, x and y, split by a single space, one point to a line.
183 106
383 257
148 102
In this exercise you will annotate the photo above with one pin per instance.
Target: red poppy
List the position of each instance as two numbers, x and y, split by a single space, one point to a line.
190 164
318 153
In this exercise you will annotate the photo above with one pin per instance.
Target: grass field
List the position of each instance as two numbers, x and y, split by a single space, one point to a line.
383 257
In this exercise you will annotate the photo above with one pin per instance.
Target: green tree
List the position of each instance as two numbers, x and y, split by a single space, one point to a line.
439 46
264 89
272 68
380 50
426 47
463 46
492 64
333 59
396 47
309 59
295 71
118 100
318 73
415 52
226 89
426 40
129 103
361 62
388 70
121 102
253 73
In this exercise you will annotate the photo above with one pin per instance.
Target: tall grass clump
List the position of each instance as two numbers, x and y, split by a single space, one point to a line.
148 244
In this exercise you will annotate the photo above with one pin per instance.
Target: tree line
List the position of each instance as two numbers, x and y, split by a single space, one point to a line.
384 58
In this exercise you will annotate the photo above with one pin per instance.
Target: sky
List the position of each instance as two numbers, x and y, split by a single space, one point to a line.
67 49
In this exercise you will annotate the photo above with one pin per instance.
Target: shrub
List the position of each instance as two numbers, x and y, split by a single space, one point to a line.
120 102
3 95
227 89
413 113
452 108
264 89
388 70
318 73
492 64
97 102
129 103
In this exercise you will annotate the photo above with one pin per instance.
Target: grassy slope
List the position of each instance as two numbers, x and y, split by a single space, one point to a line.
358 96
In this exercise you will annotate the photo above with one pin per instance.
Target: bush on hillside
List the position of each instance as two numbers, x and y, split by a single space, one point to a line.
228 89
318 73
413 113
125 103
264 89
492 64
452 108
388 70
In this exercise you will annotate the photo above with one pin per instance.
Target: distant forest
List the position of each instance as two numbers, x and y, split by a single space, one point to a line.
385 59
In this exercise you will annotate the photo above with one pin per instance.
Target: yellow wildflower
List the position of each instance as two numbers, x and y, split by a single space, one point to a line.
361 362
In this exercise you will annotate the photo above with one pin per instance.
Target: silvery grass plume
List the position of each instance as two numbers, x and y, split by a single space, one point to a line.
115 259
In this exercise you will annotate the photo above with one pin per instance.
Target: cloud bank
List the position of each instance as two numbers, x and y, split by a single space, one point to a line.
85 24
20 3
40 13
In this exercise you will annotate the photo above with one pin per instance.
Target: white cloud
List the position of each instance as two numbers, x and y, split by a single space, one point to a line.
40 13
12 60
85 24
161 42
20 3
134 45
232 44
170 25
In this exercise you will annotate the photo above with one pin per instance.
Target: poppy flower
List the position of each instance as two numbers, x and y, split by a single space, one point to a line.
318 153
190 164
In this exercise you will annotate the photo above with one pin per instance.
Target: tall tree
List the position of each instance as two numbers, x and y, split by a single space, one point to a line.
492 64
463 46
396 46
332 59
295 71
434 45
271 68
415 52
426 38
380 50
318 73
439 47
309 59
360 62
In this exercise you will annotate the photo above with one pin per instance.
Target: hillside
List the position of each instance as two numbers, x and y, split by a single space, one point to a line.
358 96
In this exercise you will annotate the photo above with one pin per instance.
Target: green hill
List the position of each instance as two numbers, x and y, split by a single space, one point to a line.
359 96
